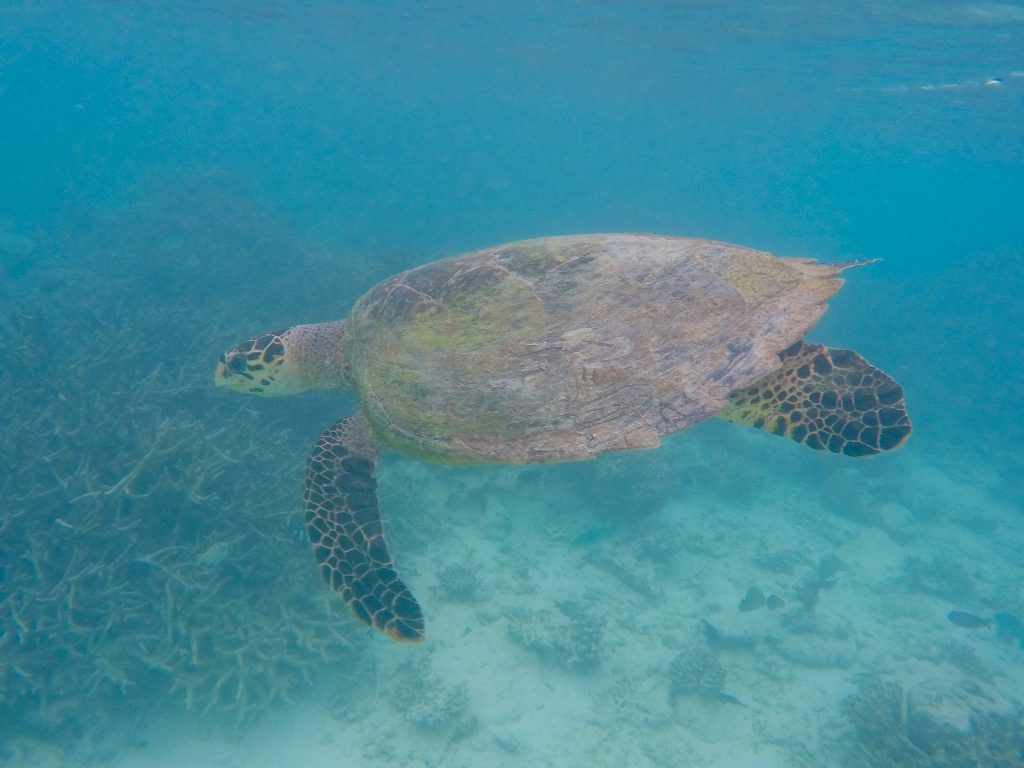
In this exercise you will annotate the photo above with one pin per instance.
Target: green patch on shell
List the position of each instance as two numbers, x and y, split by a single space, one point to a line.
412 350
481 311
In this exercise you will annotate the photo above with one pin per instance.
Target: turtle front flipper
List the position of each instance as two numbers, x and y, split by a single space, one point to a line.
828 399
344 526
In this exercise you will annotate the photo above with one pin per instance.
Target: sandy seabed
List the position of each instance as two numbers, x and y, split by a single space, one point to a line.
558 636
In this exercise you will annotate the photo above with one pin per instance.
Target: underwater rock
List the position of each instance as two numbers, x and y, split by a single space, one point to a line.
753 600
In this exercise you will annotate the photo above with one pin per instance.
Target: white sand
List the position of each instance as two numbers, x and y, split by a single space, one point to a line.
523 710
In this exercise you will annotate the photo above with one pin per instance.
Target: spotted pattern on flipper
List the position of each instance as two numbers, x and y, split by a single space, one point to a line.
828 399
344 526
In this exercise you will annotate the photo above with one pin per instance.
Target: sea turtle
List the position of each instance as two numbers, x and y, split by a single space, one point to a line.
555 349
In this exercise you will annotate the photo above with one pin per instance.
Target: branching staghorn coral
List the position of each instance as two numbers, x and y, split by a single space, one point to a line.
150 538
890 732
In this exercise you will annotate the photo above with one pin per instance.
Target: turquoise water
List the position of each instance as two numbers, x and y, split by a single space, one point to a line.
175 177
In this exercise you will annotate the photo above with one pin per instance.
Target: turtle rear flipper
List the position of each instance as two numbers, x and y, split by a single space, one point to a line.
344 526
828 399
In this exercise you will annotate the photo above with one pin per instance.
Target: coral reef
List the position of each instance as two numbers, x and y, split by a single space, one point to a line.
150 537
876 709
931 726
964 658
823 577
696 670
570 639
426 700
459 583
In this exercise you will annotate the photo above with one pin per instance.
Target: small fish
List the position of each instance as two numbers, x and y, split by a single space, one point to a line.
753 600
774 602
215 554
591 536
968 620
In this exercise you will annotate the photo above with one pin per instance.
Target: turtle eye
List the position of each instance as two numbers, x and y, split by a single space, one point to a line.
236 364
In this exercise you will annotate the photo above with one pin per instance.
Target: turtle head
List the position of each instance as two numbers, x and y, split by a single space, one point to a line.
260 366
285 362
